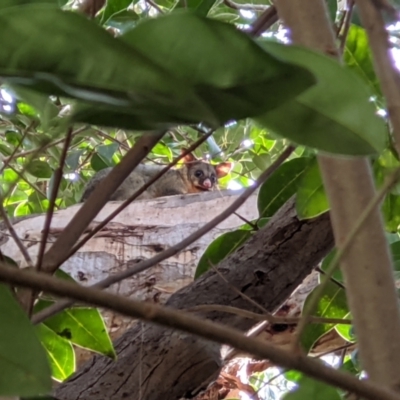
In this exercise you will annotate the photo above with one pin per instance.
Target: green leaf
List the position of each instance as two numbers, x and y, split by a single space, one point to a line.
391 212
358 57
332 304
72 159
39 169
114 7
60 353
325 264
232 90
24 366
281 186
146 79
107 151
312 389
124 77
333 116
202 7
221 248
346 331
98 163
13 137
16 3
82 326
311 199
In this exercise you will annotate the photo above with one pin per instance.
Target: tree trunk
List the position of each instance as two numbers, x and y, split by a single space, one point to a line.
158 364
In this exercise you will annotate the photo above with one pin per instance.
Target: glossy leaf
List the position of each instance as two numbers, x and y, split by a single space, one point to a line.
82 326
107 71
311 199
221 248
39 169
24 366
333 116
358 56
312 389
232 90
281 186
60 353
146 79
332 304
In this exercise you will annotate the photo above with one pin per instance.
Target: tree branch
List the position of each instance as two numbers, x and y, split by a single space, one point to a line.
188 323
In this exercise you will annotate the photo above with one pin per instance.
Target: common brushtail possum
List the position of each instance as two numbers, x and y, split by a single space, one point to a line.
193 177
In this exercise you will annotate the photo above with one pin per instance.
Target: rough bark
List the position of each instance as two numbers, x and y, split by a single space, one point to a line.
155 363
140 232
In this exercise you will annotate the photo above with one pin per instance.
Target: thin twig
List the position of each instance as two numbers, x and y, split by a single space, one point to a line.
14 235
346 26
12 155
183 321
272 319
143 265
264 21
250 7
44 146
58 174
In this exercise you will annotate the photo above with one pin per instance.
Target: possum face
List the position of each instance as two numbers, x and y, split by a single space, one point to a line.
204 176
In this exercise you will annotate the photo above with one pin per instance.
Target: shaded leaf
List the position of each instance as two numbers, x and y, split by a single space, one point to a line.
335 115
202 7
60 353
221 248
281 185
24 366
98 163
311 199
107 151
332 304
332 9
39 169
232 90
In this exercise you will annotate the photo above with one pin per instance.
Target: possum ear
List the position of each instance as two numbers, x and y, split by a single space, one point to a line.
188 158
223 169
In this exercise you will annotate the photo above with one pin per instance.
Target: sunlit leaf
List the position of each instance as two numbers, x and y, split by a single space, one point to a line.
60 353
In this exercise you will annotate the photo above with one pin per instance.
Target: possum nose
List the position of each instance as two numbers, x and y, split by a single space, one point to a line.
207 183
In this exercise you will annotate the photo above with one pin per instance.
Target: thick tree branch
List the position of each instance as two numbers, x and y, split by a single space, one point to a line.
188 323
143 265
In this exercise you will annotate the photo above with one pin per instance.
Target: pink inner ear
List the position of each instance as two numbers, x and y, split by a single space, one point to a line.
188 158
223 169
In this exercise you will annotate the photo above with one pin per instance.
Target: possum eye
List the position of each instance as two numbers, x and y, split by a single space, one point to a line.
213 178
198 174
